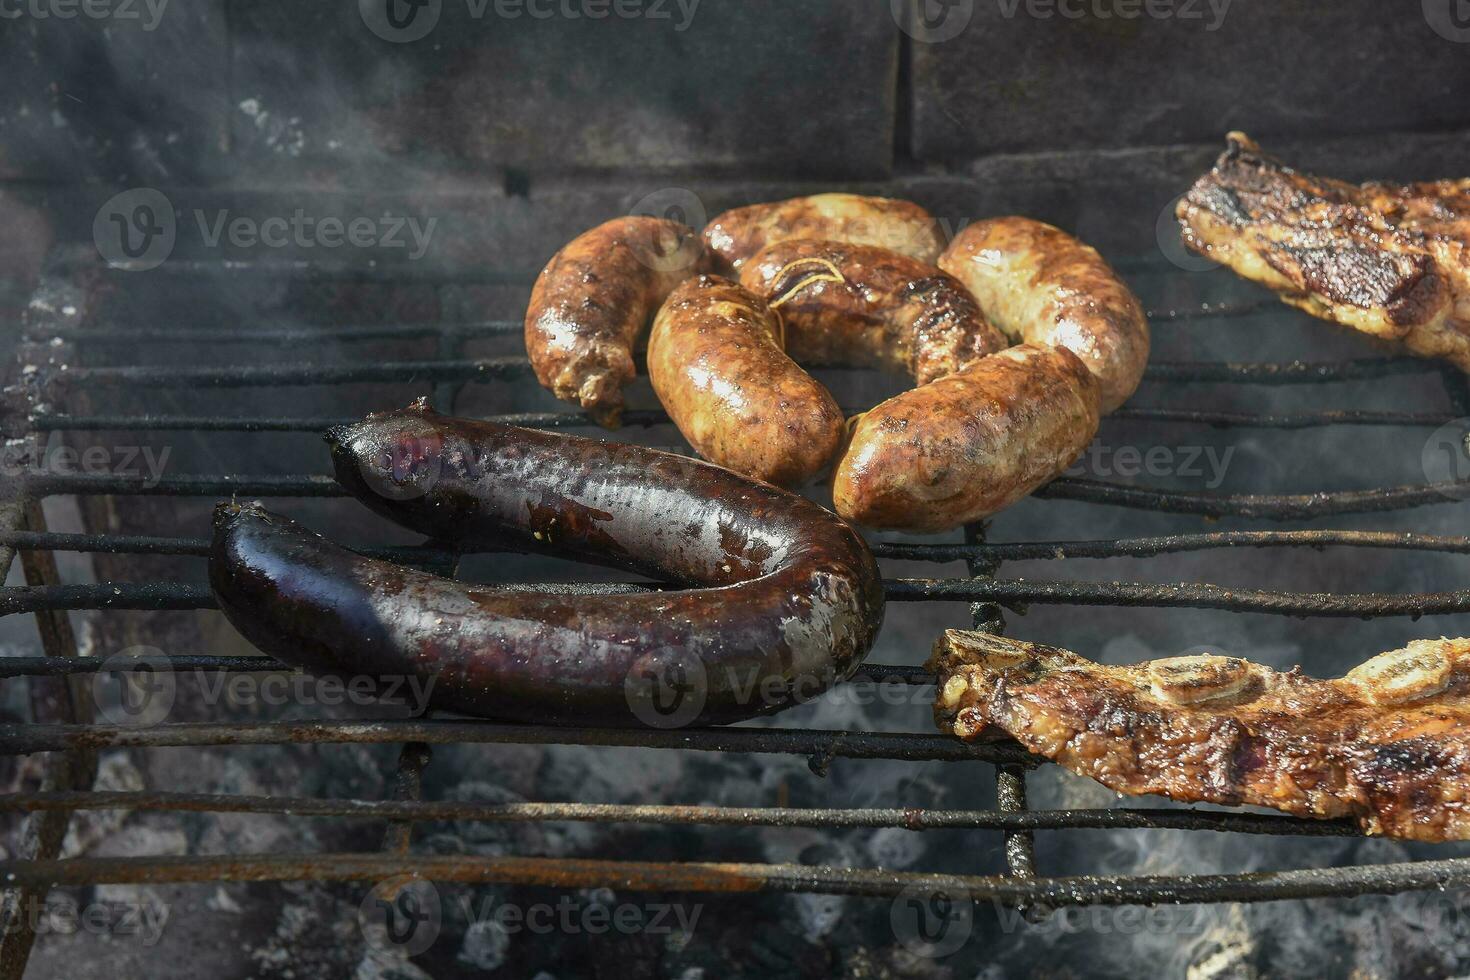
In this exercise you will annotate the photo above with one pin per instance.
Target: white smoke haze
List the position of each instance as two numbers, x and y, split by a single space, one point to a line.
355 132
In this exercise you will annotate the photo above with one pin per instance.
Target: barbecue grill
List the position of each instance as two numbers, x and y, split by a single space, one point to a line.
85 349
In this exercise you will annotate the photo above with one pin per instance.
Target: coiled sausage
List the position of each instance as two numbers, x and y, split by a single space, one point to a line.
716 361
862 305
593 301
899 226
1042 286
981 430
969 444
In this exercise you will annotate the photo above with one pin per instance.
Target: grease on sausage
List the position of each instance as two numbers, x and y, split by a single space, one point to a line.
716 362
965 446
1042 286
786 601
593 301
900 226
845 304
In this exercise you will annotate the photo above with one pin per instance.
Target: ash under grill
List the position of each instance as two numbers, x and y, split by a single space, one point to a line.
90 374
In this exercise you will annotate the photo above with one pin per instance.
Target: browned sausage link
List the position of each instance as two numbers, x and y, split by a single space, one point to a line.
592 302
965 446
716 362
1042 286
860 304
900 226
787 601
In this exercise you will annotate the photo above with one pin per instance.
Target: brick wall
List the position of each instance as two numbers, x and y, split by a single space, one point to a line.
539 113
329 90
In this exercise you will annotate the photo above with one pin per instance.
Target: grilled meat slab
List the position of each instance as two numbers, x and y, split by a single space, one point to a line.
1387 745
1390 260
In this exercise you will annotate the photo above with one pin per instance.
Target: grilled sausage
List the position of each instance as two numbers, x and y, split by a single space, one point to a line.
965 446
787 598
736 235
1042 286
864 305
593 301
716 362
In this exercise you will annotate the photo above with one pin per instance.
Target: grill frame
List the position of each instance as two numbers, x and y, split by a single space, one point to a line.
63 728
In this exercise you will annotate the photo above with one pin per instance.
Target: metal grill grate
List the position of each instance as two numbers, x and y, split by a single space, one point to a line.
49 397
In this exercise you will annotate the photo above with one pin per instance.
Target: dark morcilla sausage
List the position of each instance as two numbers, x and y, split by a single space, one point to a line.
784 599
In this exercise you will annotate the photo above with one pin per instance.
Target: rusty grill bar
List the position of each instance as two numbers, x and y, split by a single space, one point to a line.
65 730
1203 504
